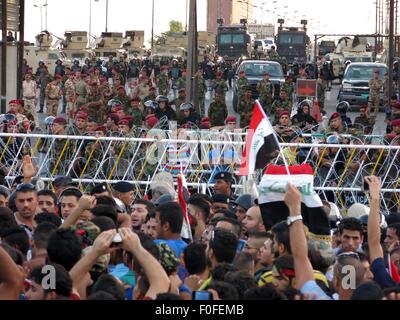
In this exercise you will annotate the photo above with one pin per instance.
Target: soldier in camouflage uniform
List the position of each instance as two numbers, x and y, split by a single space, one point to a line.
53 95
266 91
122 97
143 88
321 88
242 84
177 103
94 94
97 111
81 89
182 80
202 88
375 86
289 87
136 112
219 85
152 95
78 127
70 96
95 151
44 80
245 108
280 105
364 121
217 112
386 89
273 55
283 128
163 82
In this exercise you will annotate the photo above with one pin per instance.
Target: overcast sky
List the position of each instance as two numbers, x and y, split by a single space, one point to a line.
327 16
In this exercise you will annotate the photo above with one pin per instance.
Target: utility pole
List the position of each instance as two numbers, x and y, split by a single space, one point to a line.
152 26
106 15
391 47
46 5
191 84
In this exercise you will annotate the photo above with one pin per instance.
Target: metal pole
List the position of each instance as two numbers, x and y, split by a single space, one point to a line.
20 77
41 18
106 15
191 87
46 14
152 26
391 48
4 56
90 19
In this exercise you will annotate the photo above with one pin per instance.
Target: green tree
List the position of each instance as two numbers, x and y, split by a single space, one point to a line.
175 26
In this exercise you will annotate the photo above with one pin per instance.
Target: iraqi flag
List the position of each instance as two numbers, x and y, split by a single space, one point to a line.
272 191
186 232
261 143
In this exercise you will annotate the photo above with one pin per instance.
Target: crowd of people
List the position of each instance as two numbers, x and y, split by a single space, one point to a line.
107 244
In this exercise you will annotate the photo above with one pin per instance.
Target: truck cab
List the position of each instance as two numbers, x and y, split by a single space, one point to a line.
233 41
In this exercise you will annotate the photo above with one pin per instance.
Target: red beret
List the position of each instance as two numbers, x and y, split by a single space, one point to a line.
390 136
153 88
101 128
364 106
241 72
117 108
13 122
121 87
205 125
205 119
266 73
181 90
151 121
231 119
15 101
335 116
58 77
92 70
123 122
135 99
219 74
284 113
395 123
60 120
81 115
93 83
129 118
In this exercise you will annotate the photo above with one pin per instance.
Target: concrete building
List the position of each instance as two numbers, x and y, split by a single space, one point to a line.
230 10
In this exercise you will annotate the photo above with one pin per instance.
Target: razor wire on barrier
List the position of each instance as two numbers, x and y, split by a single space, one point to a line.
339 168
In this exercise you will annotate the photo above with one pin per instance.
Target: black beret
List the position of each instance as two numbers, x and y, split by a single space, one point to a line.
99 188
224 176
63 181
220 198
123 187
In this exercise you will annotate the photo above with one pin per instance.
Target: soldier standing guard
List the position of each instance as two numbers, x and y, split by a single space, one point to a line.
375 86
163 82
201 83
29 91
245 108
220 86
266 90
242 84
70 96
81 89
218 111
53 95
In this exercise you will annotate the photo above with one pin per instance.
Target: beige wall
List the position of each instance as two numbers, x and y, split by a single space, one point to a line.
239 10
218 9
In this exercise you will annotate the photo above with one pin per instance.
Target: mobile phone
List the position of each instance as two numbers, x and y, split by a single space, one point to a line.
202 296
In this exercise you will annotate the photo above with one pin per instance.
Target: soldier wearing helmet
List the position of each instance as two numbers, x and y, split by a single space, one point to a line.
342 109
190 116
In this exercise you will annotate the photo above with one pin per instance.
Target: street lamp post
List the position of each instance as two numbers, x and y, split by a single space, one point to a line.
106 15
41 14
90 18
152 26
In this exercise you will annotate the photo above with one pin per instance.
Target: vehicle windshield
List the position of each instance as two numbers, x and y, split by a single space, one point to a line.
258 43
229 38
53 56
328 43
363 72
291 38
258 69
268 41
358 59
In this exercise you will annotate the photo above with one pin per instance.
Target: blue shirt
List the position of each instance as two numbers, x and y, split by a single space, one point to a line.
178 246
381 276
311 287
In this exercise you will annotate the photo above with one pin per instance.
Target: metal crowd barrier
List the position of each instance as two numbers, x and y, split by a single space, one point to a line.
339 169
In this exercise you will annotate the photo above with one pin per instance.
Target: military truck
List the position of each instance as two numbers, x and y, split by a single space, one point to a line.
108 44
132 44
293 42
233 41
75 45
44 51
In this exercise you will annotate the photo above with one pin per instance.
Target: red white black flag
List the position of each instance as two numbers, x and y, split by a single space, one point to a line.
261 143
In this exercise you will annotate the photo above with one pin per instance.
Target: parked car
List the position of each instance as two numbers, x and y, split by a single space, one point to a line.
355 85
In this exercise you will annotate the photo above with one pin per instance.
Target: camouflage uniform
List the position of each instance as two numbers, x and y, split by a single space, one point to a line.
321 87
96 157
278 107
177 102
265 88
375 87
97 111
366 123
163 84
126 156
70 96
201 83
274 56
143 90
56 153
45 79
181 83
242 85
82 91
53 94
245 109
217 113
137 116
289 88
220 87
